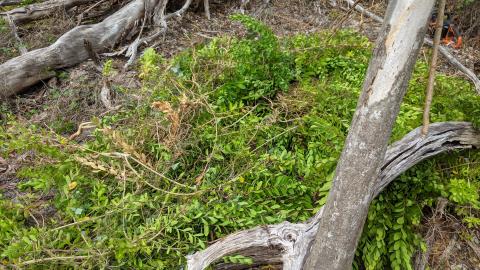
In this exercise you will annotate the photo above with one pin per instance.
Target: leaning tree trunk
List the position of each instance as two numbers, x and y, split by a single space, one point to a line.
359 165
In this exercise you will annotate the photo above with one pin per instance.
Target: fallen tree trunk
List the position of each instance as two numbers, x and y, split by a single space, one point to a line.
287 244
444 51
33 12
34 66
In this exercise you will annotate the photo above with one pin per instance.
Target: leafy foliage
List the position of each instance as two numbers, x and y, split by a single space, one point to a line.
227 136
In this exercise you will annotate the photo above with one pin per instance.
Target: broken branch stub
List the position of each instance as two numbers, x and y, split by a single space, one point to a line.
292 240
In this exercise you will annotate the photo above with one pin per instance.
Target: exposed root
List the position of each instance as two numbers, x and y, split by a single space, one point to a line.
295 239
180 11
81 128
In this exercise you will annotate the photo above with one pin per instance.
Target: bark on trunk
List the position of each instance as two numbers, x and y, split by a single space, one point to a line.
359 165
286 243
34 66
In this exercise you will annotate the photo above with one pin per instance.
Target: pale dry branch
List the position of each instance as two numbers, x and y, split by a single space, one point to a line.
41 10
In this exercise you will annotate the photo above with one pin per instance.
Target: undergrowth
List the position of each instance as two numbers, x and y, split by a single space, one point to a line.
225 136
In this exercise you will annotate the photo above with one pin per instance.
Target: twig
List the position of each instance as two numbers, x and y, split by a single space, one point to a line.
433 64
345 17
448 250
153 186
159 174
243 5
475 248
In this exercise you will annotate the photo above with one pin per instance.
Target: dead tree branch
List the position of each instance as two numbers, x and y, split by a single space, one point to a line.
21 46
37 11
68 50
5 3
292 240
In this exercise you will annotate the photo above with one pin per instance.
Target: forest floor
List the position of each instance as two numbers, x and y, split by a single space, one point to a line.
71 98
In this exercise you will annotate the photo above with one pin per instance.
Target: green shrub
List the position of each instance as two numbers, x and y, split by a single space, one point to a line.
226 136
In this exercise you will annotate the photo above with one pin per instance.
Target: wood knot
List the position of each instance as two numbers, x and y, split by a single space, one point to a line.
290 236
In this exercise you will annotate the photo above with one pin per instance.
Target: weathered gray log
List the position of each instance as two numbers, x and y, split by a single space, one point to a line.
37 11
444 51
359 165
34 66
294 239
5 3
13 27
